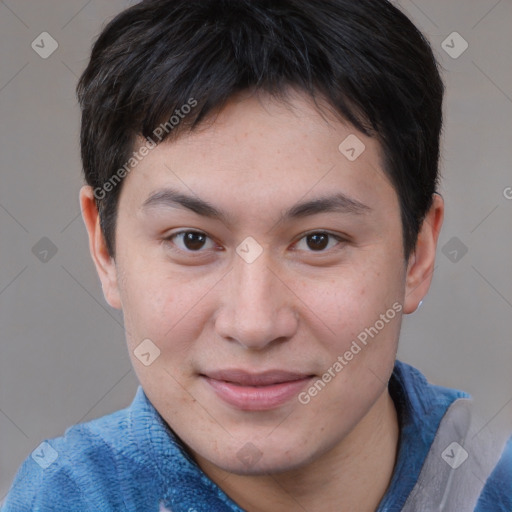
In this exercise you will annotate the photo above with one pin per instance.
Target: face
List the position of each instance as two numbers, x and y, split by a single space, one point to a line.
267 269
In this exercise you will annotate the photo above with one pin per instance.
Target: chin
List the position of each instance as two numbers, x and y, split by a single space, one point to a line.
253 461
274 466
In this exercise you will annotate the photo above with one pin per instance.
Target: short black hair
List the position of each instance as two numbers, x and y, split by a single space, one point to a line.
365 57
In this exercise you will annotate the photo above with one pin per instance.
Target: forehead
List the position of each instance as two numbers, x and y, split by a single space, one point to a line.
260 151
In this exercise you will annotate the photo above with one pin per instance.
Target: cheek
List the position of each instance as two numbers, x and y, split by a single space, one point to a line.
348 300
357 313
165 307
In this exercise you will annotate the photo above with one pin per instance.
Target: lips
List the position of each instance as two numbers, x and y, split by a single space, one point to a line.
268 378
256 391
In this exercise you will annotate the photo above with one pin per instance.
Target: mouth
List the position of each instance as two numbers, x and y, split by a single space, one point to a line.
256 391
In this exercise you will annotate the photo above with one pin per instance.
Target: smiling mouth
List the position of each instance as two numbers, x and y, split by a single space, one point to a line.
256 391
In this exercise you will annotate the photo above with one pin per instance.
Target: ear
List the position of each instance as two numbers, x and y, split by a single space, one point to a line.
421 262
105 264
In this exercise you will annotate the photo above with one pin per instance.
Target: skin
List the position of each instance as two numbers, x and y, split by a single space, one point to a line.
294 308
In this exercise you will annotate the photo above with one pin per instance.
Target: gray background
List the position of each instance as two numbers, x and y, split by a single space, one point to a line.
63 358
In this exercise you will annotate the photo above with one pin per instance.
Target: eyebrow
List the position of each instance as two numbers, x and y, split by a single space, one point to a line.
338 203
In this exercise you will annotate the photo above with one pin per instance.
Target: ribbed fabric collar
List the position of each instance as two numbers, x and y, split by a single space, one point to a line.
185 487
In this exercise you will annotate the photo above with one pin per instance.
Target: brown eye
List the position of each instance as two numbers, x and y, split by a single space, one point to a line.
194 241
318 241
190 241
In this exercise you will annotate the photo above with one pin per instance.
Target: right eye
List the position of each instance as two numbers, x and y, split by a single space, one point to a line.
190 241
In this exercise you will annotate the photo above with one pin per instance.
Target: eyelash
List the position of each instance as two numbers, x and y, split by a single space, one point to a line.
199 252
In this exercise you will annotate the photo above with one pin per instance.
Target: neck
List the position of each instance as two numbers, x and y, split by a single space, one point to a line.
354 475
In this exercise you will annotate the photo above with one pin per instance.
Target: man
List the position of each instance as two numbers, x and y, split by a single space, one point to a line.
261 204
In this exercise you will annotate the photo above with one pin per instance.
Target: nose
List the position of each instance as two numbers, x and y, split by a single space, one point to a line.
258 307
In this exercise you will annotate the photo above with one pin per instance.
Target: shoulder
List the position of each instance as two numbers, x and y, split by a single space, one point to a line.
438 416
497 493
81 470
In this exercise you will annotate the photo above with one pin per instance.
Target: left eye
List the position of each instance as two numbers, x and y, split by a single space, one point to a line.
319 241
